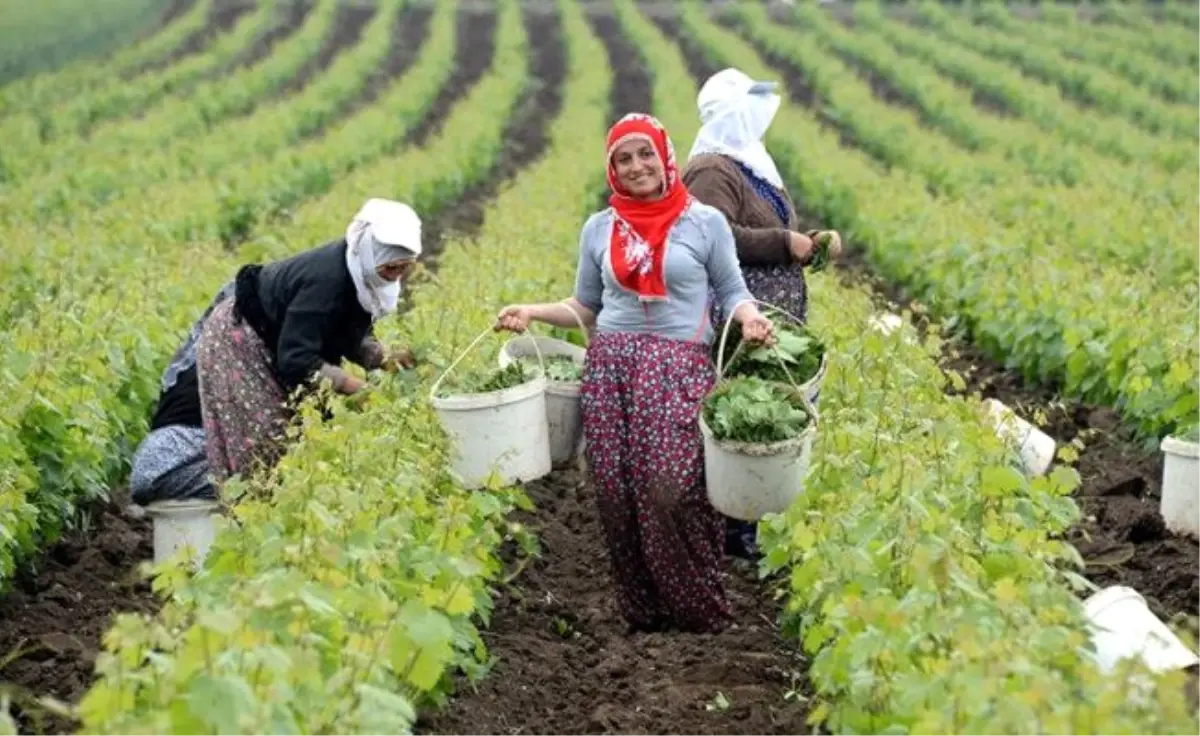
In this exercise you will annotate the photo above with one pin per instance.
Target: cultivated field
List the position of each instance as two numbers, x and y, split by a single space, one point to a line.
1018 183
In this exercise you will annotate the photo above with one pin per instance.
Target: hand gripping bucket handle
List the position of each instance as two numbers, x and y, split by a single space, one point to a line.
722 364
488 330
578 320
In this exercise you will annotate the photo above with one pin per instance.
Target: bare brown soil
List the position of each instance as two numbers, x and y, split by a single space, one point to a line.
349 20
566 663
52 622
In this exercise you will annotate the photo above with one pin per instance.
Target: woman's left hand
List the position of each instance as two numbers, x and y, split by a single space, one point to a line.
835 242
757 328
397 358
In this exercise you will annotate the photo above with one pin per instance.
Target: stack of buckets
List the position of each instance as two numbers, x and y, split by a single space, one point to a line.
517 434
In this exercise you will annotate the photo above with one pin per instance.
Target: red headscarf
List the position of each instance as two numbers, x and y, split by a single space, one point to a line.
639 233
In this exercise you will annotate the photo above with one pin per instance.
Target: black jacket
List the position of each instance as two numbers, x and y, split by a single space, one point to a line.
306 311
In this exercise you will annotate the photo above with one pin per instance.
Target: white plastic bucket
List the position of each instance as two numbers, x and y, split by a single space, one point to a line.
1035 447
1123 626
748 481
502 432
183 524
563 418
887 323
1180 504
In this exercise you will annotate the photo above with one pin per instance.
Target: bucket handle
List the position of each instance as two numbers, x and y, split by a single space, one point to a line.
578 320
488 330
722 365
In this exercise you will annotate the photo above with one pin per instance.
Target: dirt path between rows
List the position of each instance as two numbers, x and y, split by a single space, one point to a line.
349 20
52 622
222 18
565 662
292 20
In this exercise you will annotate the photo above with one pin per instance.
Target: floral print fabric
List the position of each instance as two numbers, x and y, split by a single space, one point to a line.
240 397
641 401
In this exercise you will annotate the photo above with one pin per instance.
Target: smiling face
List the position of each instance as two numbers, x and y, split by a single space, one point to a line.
638 169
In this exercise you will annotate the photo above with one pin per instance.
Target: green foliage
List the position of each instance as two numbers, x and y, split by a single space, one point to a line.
559 368
925 576
485 380
794 359
89 389
348 585
753 410
42 36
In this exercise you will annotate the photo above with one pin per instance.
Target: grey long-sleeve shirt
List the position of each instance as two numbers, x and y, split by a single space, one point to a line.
700 255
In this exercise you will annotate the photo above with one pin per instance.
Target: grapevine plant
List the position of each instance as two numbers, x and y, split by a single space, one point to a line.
927 577
348 587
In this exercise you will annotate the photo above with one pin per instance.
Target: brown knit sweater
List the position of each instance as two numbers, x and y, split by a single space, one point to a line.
762 239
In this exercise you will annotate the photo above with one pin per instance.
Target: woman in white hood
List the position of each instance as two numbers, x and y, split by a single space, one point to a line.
290 324
730 169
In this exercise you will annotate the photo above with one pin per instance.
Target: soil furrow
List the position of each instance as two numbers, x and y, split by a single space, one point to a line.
348 23
52 622
167 15
633 89
565 661
982 99
475 44
407 40
525 135
297 10
224 14
800 89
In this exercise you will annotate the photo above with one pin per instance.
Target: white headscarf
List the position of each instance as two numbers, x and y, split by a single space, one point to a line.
383 231
735 112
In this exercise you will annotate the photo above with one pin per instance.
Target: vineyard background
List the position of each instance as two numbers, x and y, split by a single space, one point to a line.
1019 182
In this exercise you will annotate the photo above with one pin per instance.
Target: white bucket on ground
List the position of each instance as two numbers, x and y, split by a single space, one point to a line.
886 322
1180 505
748 481
1035 447
502 432
563 418
1123 626
183 523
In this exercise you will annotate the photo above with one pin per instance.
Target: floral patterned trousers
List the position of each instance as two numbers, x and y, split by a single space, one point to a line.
641 400
242 403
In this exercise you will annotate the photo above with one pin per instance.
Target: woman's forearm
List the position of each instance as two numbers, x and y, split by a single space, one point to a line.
745 311
559 314
370 354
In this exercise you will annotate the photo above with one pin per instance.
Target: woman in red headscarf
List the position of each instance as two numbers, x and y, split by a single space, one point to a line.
646 266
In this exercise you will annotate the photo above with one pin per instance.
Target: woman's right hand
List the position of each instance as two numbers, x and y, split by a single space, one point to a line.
801 247
514 318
